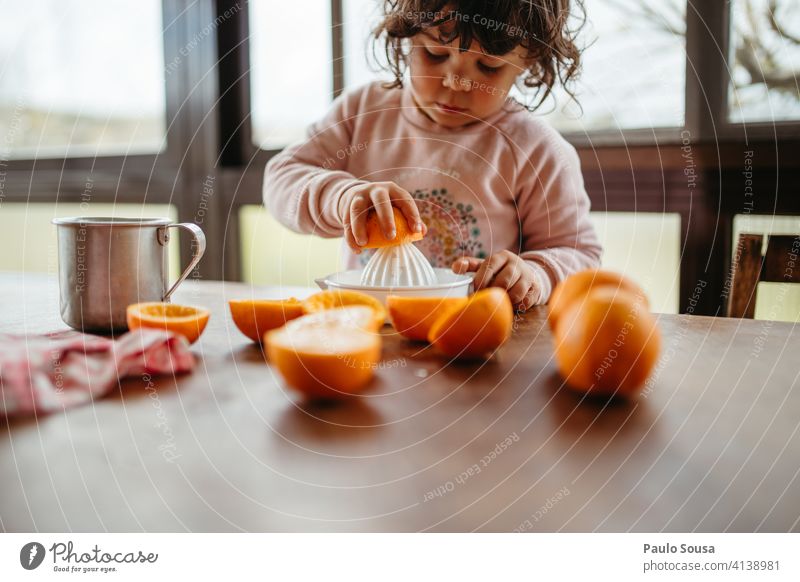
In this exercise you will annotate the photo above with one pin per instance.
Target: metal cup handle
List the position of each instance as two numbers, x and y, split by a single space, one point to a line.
199 248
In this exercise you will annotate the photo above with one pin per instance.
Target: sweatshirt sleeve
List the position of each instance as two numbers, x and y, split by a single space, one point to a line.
557 235
304 183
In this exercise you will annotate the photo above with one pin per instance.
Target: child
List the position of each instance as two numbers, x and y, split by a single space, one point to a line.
496 190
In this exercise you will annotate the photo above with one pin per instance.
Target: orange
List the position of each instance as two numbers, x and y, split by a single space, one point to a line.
359 316
375 237
413 317
182 319
255 317
475 328
576 286
330 354
607 343
335 298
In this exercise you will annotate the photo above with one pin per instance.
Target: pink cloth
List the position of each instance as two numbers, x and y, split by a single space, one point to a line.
49 372
509 182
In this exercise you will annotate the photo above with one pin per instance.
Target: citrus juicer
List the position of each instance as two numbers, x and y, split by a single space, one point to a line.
399 268
401 265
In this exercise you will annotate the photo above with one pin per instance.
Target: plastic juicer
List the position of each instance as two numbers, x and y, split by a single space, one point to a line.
400 270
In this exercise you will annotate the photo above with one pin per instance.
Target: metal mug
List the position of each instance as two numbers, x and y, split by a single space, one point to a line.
106 264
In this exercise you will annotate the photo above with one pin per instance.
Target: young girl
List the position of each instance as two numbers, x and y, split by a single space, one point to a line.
495 189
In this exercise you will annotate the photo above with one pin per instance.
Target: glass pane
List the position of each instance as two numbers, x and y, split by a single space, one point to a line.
291 72
774 301
765 52
646 247
291 259
81 78
360 18
30 238
634 68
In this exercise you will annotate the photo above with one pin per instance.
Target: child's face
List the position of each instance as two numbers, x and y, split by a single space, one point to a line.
456 88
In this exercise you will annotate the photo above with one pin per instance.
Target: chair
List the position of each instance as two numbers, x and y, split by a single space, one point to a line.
779 264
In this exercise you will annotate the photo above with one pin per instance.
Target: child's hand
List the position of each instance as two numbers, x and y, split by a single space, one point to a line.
357 201
504 269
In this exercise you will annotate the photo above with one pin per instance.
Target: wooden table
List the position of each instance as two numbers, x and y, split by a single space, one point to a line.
712 445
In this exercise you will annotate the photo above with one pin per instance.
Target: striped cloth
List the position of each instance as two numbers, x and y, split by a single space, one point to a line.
54 371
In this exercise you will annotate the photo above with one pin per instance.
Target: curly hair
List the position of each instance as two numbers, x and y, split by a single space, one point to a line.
541 27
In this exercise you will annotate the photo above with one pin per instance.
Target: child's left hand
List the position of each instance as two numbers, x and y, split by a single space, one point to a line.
504 269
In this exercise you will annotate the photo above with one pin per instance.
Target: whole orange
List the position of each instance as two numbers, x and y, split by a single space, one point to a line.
607 343
576 286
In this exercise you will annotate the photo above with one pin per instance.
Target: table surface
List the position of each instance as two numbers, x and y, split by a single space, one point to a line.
712 445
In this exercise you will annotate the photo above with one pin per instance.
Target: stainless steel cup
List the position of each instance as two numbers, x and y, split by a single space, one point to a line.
106 264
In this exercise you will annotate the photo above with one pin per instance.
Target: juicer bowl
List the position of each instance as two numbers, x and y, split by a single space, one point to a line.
449 284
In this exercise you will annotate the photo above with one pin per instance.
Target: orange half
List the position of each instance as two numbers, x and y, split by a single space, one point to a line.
329 355
255 317
413 317
403 233
186 320
336 298
476 328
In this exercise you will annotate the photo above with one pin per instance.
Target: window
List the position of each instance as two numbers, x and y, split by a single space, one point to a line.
291 68
633 68
360 19
282 110
81 79
647 247
633 76
765 56
634 65
292 260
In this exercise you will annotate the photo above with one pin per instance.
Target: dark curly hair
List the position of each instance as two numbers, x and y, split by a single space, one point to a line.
541 27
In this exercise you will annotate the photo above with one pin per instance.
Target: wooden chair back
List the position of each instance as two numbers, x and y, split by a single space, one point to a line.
779 264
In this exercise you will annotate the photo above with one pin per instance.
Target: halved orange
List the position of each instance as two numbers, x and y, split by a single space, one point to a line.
476 328
360 316
255 317
330 354
576 286
403 233
413 317
336 298
187 320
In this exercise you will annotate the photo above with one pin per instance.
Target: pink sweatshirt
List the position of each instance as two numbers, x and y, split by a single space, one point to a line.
509 182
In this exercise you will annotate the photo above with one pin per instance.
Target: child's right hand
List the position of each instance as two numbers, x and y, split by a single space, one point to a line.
356 202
